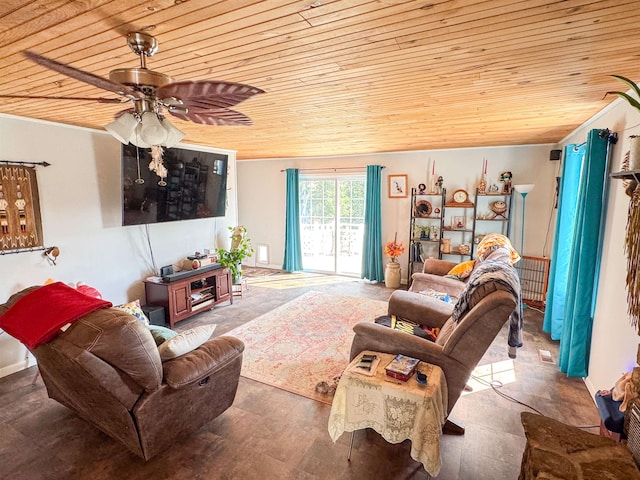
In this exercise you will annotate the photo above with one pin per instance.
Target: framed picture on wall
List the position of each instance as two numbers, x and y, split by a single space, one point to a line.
397 186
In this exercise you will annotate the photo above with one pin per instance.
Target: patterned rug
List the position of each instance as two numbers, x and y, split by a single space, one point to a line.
304 342
296 279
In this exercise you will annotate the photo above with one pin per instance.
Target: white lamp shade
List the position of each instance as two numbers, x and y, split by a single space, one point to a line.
524 188
136 138
151 130
173 134
122 127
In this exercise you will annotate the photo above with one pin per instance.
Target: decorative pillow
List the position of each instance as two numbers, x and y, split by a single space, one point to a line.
88 290
462 270
80 286
185 342
133 308
161 334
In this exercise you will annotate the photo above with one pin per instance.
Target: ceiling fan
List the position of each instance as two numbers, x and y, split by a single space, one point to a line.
153 95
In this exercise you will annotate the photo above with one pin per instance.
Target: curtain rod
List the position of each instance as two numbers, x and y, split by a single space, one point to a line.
10 162
330 168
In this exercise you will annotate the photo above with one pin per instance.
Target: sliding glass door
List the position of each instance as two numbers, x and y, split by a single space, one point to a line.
332 223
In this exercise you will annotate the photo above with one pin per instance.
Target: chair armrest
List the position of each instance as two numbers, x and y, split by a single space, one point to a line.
205 360
425 281
419 308
437 267
378 338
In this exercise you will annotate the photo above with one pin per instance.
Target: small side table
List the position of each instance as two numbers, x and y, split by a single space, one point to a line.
237 288
397 411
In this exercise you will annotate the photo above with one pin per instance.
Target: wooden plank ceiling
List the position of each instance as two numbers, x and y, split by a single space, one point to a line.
341 76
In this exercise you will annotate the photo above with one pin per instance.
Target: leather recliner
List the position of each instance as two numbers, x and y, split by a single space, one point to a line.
460 346
107 369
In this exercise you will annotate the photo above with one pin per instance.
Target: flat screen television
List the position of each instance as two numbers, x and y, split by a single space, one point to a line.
195 186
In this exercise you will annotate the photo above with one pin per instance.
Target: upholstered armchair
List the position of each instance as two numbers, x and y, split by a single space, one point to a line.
459 345
107 369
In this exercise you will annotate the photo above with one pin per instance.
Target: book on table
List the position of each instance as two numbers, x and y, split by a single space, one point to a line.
402 367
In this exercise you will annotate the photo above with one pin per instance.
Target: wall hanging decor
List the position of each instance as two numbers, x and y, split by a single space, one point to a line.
20 222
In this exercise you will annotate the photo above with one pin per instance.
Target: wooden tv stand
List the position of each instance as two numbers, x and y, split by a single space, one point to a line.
191 294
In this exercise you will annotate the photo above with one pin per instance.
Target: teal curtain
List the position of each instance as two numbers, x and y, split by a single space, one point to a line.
575 263
563 244
292 245
372 268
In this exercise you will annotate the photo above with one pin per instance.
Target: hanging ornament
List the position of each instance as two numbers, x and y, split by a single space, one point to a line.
156 165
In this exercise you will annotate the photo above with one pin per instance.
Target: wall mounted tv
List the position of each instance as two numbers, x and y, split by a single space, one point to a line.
195 186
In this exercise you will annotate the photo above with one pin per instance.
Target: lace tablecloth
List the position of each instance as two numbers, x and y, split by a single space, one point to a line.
396 411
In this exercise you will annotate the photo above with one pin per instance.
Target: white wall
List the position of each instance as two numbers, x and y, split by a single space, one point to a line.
262 186
615 341
80 198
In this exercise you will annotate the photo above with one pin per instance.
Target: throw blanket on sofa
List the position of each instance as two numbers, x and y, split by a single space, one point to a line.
38 316
505 274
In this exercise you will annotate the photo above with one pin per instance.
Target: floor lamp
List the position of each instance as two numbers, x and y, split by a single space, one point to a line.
523 190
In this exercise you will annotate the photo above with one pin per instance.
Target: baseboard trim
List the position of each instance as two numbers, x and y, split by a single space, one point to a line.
16 367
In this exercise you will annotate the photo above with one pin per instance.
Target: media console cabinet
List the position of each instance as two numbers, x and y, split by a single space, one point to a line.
192 293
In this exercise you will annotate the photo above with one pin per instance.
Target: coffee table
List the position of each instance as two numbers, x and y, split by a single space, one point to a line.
397 411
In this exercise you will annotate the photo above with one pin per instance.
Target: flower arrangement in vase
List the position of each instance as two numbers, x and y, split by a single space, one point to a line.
394 249
392 271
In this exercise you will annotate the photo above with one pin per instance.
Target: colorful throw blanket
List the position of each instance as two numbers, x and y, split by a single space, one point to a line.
505 274
37 317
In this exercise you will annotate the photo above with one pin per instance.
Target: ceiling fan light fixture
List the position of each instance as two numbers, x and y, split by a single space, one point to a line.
151 130
123 127
174 135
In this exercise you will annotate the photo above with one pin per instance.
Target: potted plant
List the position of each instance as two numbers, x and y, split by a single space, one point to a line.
240 249
634 140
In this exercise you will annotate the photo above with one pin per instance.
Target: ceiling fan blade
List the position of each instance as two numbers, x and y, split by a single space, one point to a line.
213 116
83 76
208 94
81 99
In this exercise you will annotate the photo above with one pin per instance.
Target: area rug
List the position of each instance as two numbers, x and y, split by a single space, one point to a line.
304 341
297 279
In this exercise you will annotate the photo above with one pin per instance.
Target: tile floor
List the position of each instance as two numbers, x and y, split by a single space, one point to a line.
272 434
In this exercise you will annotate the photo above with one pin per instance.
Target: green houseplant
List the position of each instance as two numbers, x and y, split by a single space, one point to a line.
240 249
632 101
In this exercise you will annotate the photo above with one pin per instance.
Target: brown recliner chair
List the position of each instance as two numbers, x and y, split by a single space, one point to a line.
106 368
459 346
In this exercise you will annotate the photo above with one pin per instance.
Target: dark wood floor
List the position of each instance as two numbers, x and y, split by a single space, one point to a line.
272 434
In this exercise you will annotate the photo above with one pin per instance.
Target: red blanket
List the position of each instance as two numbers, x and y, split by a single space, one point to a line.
38 316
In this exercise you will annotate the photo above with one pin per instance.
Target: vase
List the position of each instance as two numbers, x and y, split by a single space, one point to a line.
392 275
237 278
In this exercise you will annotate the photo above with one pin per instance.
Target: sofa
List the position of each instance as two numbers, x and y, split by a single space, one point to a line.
107 369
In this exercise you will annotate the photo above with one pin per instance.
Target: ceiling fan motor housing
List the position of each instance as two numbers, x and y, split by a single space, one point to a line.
142 79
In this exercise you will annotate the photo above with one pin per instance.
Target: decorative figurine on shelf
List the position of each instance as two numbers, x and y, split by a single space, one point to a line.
499 208
434 233
439 183
506 178
446 245
422 189
482 186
